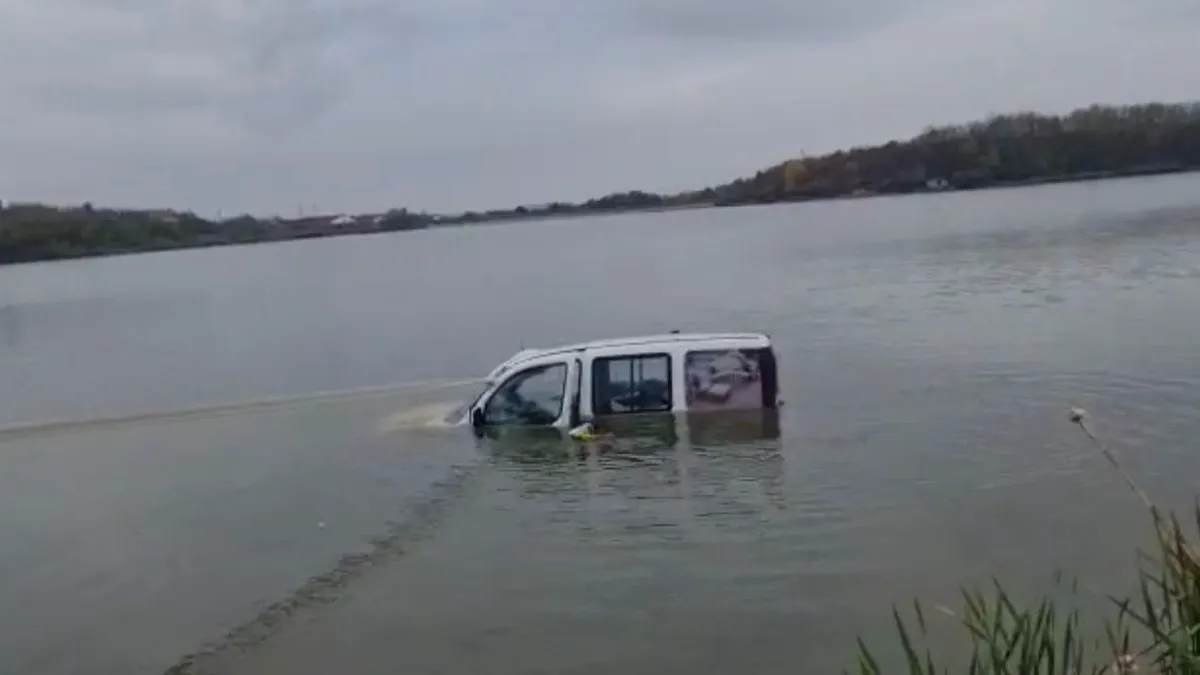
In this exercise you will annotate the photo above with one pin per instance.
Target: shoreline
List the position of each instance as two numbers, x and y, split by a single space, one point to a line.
1023 149
1089 177
534 216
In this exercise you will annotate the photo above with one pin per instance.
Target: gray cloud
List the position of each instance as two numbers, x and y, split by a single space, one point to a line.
267 105
787 20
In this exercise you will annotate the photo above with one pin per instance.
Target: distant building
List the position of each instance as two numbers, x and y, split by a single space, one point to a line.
318 226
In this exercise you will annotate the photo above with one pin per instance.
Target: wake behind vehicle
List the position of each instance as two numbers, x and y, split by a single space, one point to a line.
564 387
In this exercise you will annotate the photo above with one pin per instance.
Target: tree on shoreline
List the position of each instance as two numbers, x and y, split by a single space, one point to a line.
1093 142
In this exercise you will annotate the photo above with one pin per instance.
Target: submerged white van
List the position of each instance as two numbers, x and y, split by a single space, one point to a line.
570 385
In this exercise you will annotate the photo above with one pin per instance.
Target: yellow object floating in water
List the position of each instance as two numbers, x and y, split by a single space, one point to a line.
583 432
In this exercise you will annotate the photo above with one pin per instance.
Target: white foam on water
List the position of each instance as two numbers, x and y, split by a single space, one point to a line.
65 425
423 416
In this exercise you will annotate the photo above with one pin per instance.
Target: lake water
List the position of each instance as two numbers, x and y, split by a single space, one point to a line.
929 347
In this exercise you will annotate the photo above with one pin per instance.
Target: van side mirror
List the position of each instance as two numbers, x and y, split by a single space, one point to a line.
477 417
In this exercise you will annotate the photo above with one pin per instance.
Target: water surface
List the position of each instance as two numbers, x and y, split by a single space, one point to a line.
928 349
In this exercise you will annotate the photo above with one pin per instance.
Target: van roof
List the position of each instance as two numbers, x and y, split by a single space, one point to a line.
648 341
656 339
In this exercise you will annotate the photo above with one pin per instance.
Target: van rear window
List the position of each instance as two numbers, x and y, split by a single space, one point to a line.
730 379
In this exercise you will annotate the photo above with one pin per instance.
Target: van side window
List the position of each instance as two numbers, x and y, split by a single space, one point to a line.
727 379
631 384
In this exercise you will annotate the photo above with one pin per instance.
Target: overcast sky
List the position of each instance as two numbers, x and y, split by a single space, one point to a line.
268 106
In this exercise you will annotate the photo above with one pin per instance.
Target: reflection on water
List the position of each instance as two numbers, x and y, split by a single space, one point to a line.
645 481
589 545
639 437
704 479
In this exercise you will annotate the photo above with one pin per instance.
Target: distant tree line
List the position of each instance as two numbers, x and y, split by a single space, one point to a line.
30 232
1023 148
1014 149
634 200
39 232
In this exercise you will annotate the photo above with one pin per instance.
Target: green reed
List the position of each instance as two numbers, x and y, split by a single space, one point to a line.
1156 631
